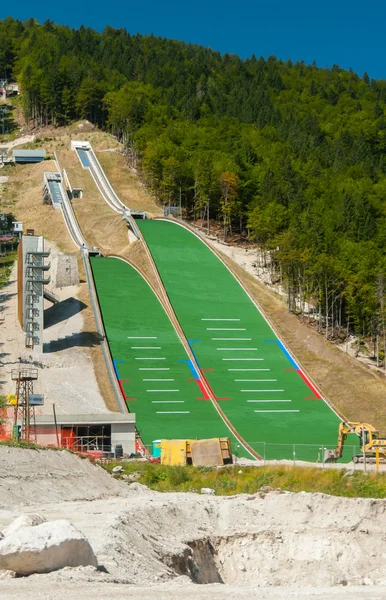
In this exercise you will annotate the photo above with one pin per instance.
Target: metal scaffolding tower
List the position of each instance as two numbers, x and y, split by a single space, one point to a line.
24 409
32 277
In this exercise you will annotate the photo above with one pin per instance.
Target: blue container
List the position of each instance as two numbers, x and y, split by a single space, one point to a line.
156 448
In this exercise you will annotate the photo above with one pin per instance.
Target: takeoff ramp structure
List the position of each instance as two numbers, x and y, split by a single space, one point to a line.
89 161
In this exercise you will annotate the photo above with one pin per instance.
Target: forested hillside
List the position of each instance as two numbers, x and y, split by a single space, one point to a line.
292 154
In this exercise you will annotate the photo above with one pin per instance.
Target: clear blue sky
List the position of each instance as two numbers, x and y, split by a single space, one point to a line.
347 33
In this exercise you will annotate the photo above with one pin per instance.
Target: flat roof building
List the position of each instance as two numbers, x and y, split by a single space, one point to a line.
28 156
88 433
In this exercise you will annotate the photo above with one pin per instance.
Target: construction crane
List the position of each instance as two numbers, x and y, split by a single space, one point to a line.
371 443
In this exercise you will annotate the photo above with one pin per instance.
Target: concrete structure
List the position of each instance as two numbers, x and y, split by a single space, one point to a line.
101 432
75 144
29 156
89 160
52 189
66 270
31 279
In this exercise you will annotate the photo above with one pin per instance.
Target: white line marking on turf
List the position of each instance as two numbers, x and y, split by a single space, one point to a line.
146 347
162 391
157 379
262 391
249 369
247 349
231 339
242 359
221 329
140 337
276 411
167 401
220 319
173 412
264 401
154 369
141 358
254 380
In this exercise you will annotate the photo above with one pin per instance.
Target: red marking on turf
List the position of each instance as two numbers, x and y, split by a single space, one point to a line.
122 390
312 388
202 388
207 370
131 399
212 392
290 370
311 398
125 380
191 379
208 399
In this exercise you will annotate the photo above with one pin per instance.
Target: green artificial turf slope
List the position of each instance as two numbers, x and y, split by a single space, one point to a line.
272 407
138 328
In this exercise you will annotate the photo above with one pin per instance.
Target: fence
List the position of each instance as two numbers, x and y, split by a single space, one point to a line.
313 453
175 211
300 453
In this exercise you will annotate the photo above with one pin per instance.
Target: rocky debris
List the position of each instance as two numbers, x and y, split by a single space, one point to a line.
7 575
45 547
208 491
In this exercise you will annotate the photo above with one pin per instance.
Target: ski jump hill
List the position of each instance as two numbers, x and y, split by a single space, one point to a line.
199 359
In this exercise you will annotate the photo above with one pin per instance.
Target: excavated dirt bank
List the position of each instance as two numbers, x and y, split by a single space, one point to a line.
164 543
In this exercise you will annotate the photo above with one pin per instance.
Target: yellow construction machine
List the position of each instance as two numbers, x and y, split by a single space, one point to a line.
371 444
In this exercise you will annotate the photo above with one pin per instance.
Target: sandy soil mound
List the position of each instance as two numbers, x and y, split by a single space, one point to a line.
31 477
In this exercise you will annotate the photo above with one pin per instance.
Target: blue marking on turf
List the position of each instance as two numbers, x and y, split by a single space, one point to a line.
284 350
192 368
190 346
116 368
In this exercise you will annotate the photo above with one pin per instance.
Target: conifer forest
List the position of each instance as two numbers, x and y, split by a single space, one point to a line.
289 156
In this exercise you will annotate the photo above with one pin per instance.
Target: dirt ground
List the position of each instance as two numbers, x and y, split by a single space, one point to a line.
174 545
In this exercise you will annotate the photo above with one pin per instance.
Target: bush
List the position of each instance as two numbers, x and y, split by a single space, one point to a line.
153 475
179 475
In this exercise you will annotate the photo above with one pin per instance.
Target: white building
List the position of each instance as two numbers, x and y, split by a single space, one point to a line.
88 433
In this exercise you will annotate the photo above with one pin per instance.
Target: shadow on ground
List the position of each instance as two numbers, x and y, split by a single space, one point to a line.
6 297
88 339
9 282
63 310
